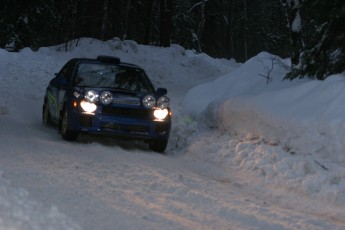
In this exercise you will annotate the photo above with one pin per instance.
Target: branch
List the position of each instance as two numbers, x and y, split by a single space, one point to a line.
268 70
321 165
197 4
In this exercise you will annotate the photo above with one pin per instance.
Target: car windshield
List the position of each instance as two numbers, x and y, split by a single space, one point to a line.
112 76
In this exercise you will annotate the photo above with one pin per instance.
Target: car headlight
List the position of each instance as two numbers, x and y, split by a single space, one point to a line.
91 96
161 113
106 97
88 107
149 101
163 102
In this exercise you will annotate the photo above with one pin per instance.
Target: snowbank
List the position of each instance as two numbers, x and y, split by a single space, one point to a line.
289 133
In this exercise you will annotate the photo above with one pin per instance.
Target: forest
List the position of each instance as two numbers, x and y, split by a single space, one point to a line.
310 32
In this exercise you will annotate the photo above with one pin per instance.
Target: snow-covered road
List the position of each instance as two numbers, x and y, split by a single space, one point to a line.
107 184
102 183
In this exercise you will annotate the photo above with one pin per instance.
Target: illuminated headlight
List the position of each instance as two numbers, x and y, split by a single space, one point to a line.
161 113
149 101
163 102
91 96
106 97
88 107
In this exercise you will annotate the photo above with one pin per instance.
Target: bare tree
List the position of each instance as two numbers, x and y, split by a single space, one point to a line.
201 26
268 69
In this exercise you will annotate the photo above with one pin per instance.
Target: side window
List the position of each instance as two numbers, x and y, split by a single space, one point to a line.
67 71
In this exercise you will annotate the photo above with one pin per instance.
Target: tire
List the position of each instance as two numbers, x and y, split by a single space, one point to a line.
46 116
67 134
158 145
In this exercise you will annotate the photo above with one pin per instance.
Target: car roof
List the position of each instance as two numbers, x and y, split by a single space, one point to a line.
107 60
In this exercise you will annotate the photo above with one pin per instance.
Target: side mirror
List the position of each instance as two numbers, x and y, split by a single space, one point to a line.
162 91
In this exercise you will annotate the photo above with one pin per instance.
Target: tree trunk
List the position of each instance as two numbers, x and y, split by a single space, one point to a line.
105 19
149 21
245 31
126 19
294 21
229 37
166 24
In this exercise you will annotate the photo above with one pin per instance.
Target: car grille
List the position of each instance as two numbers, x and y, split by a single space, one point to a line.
133 129
136 113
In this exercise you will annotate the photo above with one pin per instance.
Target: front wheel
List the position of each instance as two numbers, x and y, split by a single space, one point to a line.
158 145
67 134
45 115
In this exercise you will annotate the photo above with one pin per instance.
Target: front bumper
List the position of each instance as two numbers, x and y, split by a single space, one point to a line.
121 122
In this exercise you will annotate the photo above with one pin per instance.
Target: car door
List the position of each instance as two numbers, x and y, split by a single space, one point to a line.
58 88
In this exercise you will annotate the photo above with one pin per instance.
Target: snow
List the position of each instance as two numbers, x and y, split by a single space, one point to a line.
296 24
248 150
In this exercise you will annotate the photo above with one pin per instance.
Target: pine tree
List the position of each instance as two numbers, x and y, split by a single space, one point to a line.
324 39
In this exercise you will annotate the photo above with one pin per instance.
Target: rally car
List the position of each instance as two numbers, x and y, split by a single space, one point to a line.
104 95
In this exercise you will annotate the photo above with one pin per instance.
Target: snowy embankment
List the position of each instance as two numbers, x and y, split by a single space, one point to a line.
286 134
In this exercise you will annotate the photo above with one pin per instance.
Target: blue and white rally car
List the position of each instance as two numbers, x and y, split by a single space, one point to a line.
107 96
